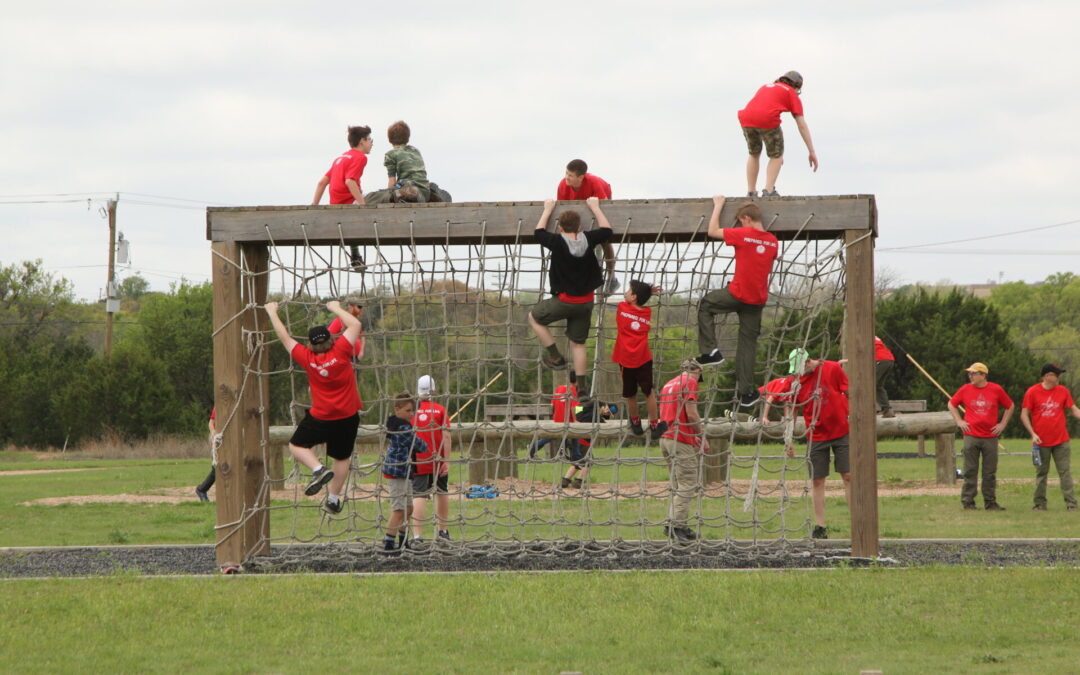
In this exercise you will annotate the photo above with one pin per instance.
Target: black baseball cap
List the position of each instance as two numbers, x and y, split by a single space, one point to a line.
1051 368
318 334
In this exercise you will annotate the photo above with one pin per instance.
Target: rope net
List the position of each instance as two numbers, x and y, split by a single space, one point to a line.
458 313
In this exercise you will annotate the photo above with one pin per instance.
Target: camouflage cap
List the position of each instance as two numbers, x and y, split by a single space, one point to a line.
794 77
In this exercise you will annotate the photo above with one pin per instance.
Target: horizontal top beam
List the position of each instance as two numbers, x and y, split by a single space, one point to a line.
507 222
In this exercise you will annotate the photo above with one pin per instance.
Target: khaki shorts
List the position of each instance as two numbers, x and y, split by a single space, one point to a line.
819 457
773 139
578 317
399 492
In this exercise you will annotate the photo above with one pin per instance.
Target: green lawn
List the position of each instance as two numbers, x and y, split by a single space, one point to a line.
900 516
929 620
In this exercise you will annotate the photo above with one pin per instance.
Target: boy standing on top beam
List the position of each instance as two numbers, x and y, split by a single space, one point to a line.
580 184
573 277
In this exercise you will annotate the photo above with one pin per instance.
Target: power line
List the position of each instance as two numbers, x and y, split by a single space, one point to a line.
979 252
988 236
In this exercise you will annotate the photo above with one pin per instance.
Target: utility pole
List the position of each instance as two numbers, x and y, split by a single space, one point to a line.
111 303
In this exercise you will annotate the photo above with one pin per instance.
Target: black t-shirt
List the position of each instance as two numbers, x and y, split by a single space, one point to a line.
568 273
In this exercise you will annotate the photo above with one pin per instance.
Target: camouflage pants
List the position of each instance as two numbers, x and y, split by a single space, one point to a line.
773 139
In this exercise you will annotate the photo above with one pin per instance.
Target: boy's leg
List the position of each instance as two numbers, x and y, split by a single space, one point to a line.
341 472
305 456
817 494
753 162
772 172
714 302
749 329
580 358
774 148
632 407
650 406
989 470
971 472
394 524
442 508
208 482
379 197
419 508
1041 473
881 369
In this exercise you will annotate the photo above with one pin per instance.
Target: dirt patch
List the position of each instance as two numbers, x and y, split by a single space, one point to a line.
27 472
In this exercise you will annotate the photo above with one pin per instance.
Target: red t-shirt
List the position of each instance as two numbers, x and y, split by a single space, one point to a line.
429 420
338 326
881 352
763 111
778 389
561 412
213 413
632 340
333 386
1047 408
577 299
823 397
591 186
349 165
674 395
981 407
755 251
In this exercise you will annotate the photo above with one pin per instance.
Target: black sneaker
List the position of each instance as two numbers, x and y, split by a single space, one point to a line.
318 480
445 535
203 497
357 262
713 358
682 534
994 506
748 400
820 532
969 507
1039 507
635 428
770 193
576 483
333 508
554 363
659 430
565 483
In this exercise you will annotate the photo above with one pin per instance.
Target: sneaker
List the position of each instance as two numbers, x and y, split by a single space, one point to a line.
713 358
318 480
565 483
770 193
752 194
969 507
959 475
415 543
994 506
203 497
357 262
659 430
390 547
576 483
445 535
748 400
682 534
635 428
1070 507
888 414
820 532
554 363
333 508
1039 507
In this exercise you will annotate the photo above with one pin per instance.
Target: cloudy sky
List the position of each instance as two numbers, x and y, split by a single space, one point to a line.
958 116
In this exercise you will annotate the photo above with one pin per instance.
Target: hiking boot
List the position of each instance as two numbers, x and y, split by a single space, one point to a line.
820 532
888 414
565 483
969 507
1070 507
635 428
1039 507
994 506
357 262
748 400
333 508
553 362
659 430
713 358
318 480
203 497
576 483
770 193
406 193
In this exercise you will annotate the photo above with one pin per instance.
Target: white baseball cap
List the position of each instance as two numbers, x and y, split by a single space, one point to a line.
425 386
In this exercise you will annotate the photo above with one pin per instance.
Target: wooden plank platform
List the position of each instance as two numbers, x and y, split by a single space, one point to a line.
817 217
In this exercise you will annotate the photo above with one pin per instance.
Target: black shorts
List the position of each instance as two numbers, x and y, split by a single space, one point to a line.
637 378
422 484
819 457
339 435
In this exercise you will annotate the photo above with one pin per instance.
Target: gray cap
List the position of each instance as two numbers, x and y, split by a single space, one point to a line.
356 299
794 77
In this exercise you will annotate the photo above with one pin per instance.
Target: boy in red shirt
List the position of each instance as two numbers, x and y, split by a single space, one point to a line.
883 363
343 178
760 121
821 390
774 391
203 488
981 400
432 471
334 417
578 183
1043 415
563 404
755 251
682 446
633 321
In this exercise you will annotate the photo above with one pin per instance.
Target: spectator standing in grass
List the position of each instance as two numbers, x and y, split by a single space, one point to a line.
981 400
1043 414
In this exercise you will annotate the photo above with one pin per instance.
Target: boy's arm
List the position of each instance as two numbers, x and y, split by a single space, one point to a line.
351 323
287 340
804 131
549 207
594 205
320 187
715 231
391 182
1025 419
354 190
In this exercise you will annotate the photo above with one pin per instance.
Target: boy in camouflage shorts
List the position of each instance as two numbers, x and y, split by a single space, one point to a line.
408 181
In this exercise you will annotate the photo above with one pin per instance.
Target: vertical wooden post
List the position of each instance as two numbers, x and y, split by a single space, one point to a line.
256 400
716 461
944 446
112 278
859 348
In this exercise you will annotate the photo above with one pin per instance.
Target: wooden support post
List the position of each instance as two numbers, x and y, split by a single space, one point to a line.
944 446
275 467
859 347
717 455
256 401
922 445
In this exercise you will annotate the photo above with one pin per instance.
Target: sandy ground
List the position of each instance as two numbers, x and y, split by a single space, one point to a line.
518 489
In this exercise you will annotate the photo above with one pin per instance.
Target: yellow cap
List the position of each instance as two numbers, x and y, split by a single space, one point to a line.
977 368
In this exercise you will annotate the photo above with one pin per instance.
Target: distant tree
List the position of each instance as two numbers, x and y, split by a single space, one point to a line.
133 287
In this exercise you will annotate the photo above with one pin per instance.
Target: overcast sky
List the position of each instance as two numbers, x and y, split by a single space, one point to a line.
959 116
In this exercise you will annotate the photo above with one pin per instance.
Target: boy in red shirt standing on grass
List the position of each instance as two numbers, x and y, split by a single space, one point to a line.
682 445
1043 415
981 400
821 389
580 184
760 121
343 178
432 471
755 251
633 321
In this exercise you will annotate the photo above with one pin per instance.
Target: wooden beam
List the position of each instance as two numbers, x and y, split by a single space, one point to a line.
859 348
256 424
508 222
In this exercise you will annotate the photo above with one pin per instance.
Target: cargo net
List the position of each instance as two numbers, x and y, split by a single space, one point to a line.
458 313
